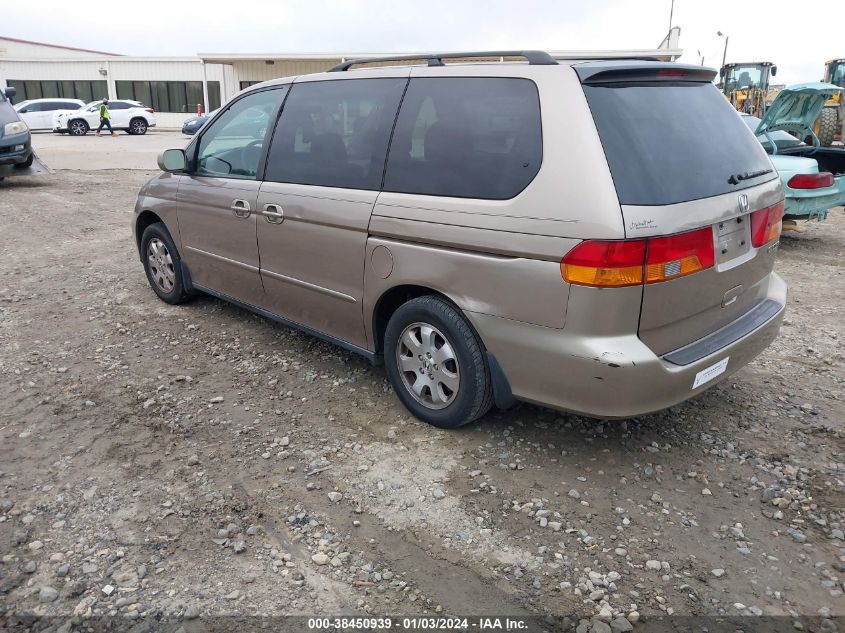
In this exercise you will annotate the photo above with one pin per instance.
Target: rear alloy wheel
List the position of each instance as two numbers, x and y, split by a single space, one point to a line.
137 126
436 364
77 127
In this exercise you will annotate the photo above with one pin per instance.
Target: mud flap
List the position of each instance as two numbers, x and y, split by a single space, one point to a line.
502 395
38 168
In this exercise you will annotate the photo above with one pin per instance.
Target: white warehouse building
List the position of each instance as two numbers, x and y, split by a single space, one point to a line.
175 86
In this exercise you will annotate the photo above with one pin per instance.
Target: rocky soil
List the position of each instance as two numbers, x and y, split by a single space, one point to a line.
196 463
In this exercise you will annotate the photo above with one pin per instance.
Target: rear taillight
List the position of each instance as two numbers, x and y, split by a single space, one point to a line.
766 224
605 264
635 262
150 110
678 255
811 181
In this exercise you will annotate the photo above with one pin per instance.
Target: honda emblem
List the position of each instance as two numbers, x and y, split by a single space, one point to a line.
743 203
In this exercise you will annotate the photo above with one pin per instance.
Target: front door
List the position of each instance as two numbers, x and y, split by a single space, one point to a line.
323 174
217 200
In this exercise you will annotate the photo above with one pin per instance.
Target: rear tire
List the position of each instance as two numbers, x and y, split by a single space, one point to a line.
77 127
827 126
436 363
163 264
137 126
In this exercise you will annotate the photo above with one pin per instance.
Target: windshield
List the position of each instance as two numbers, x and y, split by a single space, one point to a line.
669 142
838 75
743 77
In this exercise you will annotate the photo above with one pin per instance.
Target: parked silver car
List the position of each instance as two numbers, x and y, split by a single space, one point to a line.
595 236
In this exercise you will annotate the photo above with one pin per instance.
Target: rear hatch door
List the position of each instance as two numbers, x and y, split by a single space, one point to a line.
796 109
683 161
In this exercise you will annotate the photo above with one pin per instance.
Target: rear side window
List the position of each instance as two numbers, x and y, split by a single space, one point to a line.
477 137
672 142
335 133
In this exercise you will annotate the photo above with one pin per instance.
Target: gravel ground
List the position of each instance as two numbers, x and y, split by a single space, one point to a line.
179 464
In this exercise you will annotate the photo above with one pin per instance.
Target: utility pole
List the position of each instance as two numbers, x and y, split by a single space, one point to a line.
725 53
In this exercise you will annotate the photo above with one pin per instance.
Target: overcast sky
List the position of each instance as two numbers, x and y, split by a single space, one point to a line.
758 31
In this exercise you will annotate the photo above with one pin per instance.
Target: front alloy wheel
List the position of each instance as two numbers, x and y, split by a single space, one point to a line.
78 128
161 265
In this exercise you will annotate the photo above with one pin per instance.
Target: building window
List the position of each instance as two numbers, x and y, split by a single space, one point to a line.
213 95
168 96
85 90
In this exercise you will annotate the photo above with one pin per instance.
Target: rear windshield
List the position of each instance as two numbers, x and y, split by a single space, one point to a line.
672 142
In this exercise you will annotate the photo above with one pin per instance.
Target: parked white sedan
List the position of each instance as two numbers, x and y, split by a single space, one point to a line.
38 113
132 116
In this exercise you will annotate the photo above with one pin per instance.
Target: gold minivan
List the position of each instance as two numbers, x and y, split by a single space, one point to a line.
594 236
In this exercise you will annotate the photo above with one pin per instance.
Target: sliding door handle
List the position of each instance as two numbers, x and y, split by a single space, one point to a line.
273 213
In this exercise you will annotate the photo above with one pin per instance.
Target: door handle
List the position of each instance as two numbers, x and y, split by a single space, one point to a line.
273 213
241 208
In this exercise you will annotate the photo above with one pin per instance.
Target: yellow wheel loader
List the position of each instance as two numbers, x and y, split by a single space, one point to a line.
831 121
746 85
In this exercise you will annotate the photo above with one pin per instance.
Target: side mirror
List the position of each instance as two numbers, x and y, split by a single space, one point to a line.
10 92
172 160
23 111
774 70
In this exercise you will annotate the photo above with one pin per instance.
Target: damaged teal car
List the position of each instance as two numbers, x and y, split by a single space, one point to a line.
813 176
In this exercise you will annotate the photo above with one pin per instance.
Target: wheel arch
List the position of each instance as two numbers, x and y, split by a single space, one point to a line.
390 301
144 219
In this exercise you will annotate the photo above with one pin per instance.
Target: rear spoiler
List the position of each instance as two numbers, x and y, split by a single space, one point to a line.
605 72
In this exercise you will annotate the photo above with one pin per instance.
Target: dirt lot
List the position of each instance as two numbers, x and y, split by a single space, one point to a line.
180 464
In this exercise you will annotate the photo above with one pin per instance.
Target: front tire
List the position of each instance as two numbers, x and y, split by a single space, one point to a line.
163 264
436 363
137 126
28 162
77 127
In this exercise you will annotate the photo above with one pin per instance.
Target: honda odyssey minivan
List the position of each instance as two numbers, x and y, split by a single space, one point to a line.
595 236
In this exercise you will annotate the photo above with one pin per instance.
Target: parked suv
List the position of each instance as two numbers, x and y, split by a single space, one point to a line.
132 116
38 113
594 236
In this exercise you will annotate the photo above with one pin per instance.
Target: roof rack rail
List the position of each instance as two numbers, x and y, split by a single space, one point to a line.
541 58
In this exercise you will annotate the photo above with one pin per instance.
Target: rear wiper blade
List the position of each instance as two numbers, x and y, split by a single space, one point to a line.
735 179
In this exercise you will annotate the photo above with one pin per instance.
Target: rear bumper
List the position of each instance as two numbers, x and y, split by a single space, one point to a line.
612 377
810 203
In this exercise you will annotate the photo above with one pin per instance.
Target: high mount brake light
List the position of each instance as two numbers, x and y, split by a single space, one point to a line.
811 181
671 74
766 224
608 264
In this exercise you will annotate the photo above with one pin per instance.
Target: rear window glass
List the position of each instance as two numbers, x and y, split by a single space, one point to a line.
669 143
465 137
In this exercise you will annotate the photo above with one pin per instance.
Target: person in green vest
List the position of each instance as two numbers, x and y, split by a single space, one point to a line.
104 117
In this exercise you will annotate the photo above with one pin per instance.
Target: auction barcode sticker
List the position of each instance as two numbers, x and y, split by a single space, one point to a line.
706 375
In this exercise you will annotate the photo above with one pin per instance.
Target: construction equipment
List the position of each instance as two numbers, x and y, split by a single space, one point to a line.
831 121
746 85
